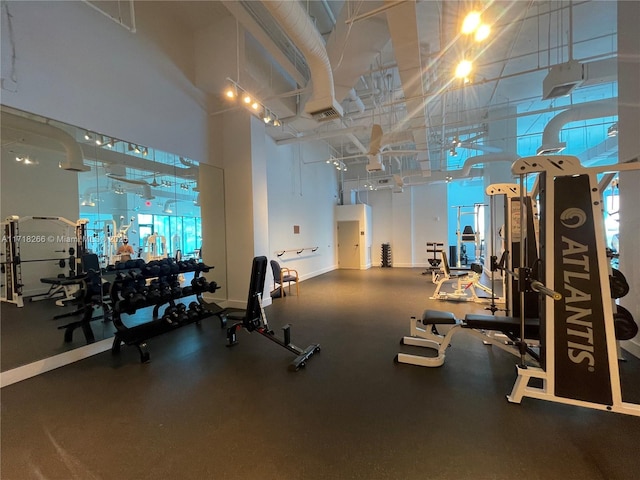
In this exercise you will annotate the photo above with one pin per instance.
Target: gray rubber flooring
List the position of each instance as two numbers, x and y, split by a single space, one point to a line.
200 410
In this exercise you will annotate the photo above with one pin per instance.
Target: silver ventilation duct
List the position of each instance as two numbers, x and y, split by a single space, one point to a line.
74 161
295 21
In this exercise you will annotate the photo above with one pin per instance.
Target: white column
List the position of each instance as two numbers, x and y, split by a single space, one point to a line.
629 148
245 186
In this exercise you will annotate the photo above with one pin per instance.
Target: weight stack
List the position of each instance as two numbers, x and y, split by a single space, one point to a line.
386 255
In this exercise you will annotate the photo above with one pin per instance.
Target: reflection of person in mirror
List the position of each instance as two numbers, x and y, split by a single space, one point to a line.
125 248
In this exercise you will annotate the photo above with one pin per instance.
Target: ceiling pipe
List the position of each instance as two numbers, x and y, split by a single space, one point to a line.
74 162
295 21
583 111
167 205
353 96
484 159
146 189
323 135
327 9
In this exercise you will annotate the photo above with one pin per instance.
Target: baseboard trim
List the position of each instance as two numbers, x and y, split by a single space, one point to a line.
42 366
632 347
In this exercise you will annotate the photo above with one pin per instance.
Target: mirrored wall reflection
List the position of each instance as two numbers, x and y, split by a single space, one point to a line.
144 204
124 201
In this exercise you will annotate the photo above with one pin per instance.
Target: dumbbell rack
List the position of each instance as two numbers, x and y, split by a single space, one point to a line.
138 335
386 255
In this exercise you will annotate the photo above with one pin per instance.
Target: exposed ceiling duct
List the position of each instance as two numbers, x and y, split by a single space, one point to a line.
146 189
484 159
562 79
402 22
116 160
74 161
583 111
353 47
296 23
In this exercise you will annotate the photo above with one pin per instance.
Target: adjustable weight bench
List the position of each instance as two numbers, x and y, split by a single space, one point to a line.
61 289
254 319
424 333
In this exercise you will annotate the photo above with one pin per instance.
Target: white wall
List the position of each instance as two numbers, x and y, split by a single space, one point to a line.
629 147
407 221
430 214
302 191
77 66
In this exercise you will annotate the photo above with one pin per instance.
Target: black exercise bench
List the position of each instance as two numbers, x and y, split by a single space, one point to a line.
424 333
253 319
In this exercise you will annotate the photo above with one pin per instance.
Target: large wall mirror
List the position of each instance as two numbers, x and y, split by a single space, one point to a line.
58 180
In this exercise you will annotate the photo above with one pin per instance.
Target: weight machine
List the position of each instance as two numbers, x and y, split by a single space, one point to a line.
468 234
576 360
13 240
155 248
434 268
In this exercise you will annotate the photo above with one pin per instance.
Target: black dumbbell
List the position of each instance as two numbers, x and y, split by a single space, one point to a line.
153 294
198 283
193 315
165 291
182 313
213 286
187 291
174 267
176 290
171 316
195 306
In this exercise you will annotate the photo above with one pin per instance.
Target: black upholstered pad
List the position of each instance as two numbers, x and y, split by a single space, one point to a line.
436 317
507 325
62 281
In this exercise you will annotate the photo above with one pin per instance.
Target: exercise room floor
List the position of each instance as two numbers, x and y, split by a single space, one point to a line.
200 410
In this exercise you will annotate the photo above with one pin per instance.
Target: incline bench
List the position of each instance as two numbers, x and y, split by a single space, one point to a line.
424 333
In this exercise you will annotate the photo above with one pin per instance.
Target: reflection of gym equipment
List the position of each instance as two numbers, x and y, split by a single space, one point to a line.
108 236
13 279
154 248
253 319
577 355
112 241
468 234
93 294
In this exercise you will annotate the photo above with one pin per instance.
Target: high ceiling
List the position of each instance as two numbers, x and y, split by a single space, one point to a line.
399 58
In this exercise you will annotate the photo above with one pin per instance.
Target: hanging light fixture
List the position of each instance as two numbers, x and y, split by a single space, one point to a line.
463 69
235 91
470 23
